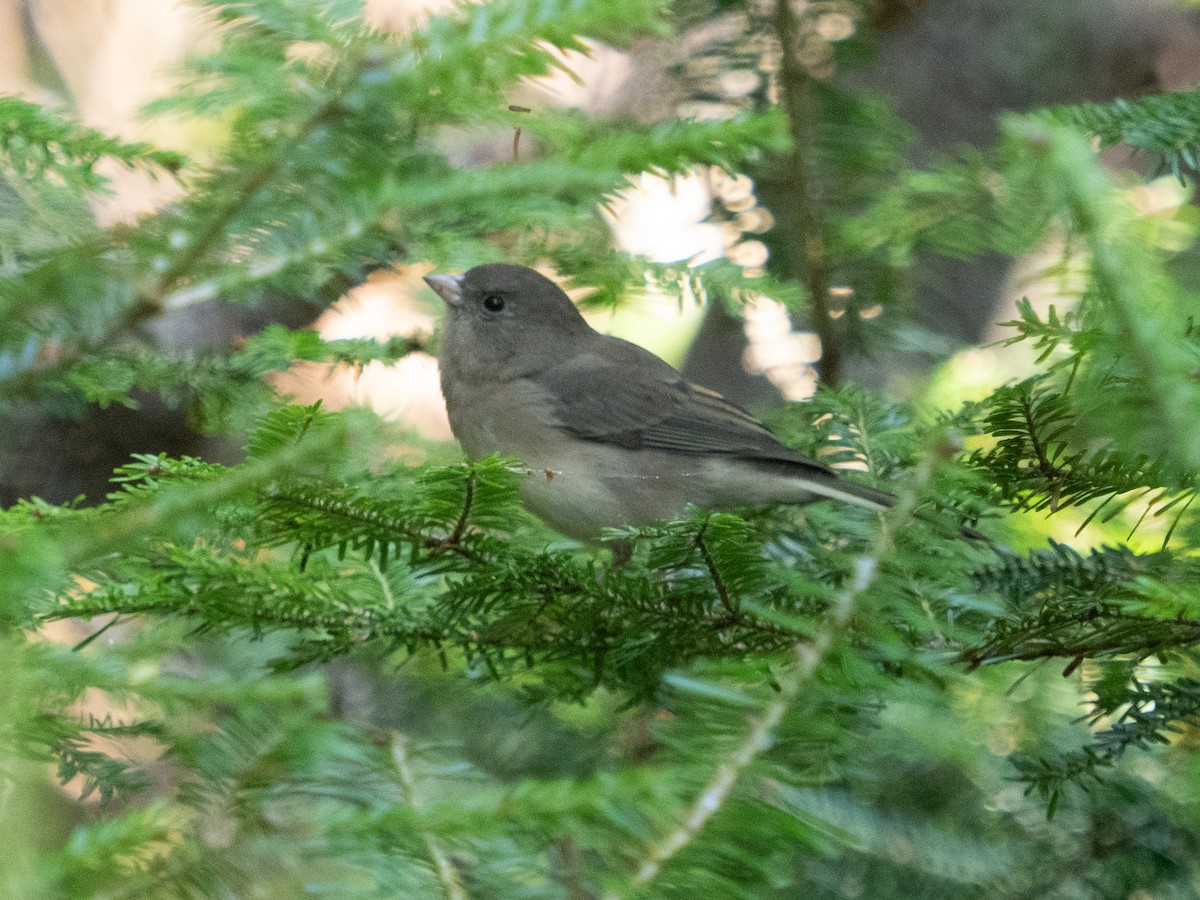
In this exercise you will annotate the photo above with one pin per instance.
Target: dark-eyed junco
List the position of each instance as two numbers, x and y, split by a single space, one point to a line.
611 433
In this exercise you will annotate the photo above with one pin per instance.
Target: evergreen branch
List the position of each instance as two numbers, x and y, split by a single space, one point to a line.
972 204
1166 125
164 509
1080 637
806 659
1026 579
349 240
460 527
548 608
1125 274
1045 468
475 52
224 592
759 738
318 519
98 772
216 382
674 146
1047 776
105 854
723 279
713 572
35 142
243 195
285 427
1153 714
446 874
1052 332
1082 607
1035 467
947 853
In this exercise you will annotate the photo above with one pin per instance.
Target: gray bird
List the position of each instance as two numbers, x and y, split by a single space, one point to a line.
612 434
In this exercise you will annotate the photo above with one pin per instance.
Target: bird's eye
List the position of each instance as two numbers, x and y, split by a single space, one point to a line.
493 303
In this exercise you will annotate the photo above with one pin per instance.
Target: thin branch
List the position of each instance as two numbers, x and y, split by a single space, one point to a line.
811 267
460 526
451 886
807 657
402 534
1045 466
253 185
711 565
1141 637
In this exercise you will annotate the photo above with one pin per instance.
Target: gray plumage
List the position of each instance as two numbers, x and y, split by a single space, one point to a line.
612 434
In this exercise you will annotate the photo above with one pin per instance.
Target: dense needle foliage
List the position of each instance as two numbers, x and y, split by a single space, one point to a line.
328 672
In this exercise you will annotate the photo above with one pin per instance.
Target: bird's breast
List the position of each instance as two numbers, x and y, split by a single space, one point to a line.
577 486
510 418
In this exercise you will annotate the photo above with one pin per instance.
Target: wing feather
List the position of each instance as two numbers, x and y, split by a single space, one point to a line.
625 395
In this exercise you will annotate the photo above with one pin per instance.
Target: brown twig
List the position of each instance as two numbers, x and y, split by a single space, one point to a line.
517 132
711 565
468 500
811 265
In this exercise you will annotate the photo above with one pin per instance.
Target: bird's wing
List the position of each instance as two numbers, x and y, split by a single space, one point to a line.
625 395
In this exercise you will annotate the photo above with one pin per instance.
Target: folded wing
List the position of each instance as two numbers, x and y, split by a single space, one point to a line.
624 395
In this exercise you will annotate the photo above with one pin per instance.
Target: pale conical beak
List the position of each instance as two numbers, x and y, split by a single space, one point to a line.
448 287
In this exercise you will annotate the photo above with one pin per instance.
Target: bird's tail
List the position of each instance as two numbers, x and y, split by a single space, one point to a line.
835 487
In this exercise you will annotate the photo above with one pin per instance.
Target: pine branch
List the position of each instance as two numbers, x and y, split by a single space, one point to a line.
1084 607
1166 125
713 573
1024 579
1034 466
806 659
1151 714
446 874
252 184
1125 273
1094 635
35 142
1049 334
